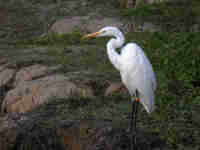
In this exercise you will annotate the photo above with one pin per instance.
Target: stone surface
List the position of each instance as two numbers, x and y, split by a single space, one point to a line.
96 24
114 88
66 25
3 66
35 131
135 3
30 94
148 26
6 75
3 61
87 24
3 15
84 23
7 131
30 73
19 131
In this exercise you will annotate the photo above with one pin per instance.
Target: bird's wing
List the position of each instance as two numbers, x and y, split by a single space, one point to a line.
137 73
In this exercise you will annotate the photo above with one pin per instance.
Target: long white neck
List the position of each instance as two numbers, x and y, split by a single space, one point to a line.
114 43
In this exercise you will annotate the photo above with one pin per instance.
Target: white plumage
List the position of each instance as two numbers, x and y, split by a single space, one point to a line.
135 69
137 73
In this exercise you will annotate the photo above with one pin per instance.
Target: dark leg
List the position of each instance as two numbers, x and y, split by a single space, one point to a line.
133 123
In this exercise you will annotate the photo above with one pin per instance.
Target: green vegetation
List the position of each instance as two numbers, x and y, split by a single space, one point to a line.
177 16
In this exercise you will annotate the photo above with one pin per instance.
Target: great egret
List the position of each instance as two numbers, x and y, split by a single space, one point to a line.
135 69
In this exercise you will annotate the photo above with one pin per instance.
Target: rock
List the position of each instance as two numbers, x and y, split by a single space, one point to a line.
30 73
3 61
30 94
36 131
4 15
19 132
6 76
195 28
115 87
135 3
84 23
3 67
96 24
148 26
86 135
7 131
151 1
87 24
66 25
145 1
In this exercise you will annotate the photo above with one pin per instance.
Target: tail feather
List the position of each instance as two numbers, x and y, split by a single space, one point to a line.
148 103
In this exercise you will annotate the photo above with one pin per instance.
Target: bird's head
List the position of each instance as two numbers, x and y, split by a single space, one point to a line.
106 31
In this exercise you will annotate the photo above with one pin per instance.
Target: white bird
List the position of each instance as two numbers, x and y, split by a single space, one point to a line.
135 69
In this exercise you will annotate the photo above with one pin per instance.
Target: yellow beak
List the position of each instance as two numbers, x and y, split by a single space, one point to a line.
91 35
